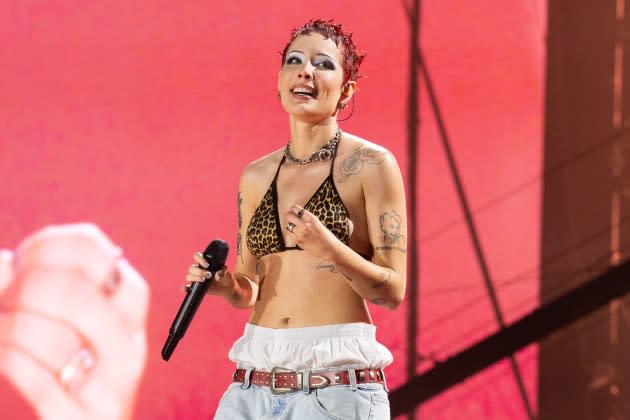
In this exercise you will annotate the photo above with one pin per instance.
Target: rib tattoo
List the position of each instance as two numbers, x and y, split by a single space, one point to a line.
331 268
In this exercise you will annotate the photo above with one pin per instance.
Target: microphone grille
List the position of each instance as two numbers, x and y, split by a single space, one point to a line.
216 253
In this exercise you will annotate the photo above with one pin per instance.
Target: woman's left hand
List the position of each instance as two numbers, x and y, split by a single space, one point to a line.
308 232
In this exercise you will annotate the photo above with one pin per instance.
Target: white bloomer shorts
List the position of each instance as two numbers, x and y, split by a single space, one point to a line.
335 347
329 346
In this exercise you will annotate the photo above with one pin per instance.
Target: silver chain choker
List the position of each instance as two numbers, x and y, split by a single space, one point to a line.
324 153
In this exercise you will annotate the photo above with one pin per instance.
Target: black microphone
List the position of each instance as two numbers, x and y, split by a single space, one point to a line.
215 254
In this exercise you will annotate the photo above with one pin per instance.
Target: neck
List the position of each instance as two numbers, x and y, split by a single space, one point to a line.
306 138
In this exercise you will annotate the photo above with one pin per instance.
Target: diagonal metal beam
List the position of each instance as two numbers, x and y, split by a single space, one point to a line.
545 320
413 258
472 229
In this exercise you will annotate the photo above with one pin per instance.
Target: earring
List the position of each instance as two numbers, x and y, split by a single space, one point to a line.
279 97
343 105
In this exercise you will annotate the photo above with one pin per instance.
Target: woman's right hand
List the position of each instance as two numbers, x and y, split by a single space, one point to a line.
223 282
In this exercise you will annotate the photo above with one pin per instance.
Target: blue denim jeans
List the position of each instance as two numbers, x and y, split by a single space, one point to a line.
339 402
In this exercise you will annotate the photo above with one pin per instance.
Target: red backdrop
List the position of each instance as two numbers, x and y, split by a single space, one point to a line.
139 116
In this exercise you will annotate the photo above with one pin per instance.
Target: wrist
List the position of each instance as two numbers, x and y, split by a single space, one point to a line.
239 293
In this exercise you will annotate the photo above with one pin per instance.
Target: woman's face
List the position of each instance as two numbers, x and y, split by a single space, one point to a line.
311 77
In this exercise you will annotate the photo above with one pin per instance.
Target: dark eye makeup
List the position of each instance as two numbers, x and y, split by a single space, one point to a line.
319 61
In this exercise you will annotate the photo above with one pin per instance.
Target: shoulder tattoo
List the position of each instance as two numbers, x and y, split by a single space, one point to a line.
355 163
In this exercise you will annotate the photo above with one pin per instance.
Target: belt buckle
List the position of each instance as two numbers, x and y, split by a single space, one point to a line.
280 391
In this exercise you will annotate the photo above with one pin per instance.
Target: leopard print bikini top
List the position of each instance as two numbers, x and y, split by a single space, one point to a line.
264 233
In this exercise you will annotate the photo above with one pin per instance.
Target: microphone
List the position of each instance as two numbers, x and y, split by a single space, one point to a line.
215 254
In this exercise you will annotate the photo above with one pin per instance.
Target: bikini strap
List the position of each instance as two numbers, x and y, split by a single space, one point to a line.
334 155
275 178
274 200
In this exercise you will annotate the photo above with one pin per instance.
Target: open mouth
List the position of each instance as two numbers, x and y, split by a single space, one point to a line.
304 92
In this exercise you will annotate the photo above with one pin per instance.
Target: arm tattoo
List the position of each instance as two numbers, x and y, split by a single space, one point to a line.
384 279
392 237
239 239
239 200
331 268
357 160
239 246
390 226
378 301
391 248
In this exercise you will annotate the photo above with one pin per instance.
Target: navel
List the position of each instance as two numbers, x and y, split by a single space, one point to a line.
285 321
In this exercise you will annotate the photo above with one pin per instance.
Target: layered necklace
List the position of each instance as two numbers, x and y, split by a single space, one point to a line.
324 153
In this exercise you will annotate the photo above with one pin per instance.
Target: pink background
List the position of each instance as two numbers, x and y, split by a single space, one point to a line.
139 116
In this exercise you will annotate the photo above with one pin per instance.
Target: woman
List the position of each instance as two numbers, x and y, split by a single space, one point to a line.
324 224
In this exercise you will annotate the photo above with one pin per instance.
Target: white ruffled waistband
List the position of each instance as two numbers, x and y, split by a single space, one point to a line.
330 346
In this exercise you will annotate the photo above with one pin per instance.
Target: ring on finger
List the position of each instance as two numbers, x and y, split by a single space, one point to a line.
300 213
290 227
75 371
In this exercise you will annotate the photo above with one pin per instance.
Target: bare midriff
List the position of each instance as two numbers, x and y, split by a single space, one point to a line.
297 290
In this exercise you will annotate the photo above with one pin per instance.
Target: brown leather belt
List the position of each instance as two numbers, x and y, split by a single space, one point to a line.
283 381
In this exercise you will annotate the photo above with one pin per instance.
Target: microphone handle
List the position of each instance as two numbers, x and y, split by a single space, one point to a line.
215 255
187 310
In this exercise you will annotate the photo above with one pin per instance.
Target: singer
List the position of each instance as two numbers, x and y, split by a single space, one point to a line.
322 230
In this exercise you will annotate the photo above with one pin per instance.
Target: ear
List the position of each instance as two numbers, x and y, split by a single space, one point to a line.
348 90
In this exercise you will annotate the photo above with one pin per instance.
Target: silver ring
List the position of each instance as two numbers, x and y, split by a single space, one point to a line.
75 371
290 227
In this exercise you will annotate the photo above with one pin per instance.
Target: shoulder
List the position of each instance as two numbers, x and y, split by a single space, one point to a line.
258 174
364 158
263 167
